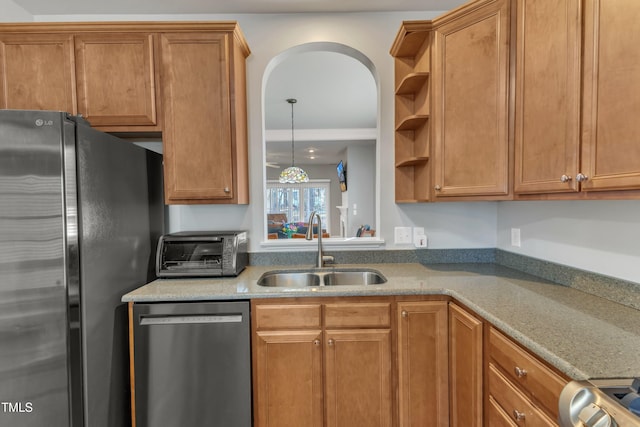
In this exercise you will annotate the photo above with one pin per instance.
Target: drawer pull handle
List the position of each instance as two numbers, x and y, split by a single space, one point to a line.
316 342
331 342
405 314
518 416
520 373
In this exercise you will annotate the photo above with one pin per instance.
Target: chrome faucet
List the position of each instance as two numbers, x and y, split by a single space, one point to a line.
309 236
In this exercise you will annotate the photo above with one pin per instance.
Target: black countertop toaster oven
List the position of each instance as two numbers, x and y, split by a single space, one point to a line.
201 254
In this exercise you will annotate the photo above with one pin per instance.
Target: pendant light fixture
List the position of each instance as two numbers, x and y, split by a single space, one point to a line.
293 174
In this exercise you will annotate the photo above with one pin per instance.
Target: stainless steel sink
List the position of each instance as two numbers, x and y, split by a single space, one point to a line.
289 279
359 278
321 277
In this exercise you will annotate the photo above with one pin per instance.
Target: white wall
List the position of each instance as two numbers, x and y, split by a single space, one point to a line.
360 167
11 12
599 236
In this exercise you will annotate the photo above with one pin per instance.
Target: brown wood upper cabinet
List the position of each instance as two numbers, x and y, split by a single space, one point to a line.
37 72
547 112
560 147
115 75
470 113
184 79
205 120
611 99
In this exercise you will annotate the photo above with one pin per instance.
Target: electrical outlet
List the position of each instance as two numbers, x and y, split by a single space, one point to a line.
402 235
420 241
515 237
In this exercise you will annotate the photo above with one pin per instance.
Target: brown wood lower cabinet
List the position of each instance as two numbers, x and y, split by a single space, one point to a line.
392 361
322 364
465 365
422 363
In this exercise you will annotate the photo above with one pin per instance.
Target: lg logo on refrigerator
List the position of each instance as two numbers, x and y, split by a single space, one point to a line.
17 407
40 122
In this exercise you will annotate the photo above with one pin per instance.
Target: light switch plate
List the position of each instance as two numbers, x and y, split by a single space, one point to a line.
402 235
515 237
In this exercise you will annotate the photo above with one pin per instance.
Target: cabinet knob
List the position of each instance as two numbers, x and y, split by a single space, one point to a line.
565 178
405 314
316 342
437 188
520 373
518 416
581 178
227 190
331 342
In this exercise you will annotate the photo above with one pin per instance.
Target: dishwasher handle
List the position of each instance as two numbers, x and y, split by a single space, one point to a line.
190 319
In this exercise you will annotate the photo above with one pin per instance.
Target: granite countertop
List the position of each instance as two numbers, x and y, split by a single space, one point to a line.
582 335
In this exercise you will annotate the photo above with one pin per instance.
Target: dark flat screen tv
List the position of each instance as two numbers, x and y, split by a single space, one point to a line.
342 176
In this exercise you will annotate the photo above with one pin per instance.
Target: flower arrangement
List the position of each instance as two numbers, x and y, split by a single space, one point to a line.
289 228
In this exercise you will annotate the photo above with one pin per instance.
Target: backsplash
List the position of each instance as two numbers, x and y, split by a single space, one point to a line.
617 290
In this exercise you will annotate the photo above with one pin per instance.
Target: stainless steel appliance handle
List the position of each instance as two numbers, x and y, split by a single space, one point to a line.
181 320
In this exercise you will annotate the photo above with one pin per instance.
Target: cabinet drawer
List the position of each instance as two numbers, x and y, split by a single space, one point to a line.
497 416
515 405
288 316
522 368
359 315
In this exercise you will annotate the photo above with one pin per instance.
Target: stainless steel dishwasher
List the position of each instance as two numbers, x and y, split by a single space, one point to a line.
192 364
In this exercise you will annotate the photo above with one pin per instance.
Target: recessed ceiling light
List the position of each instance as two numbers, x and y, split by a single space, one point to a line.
311 150
312 157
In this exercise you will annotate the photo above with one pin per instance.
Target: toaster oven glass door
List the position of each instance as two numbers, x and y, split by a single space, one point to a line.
189 256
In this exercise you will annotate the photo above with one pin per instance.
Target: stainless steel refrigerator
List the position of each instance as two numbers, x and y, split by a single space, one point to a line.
81 212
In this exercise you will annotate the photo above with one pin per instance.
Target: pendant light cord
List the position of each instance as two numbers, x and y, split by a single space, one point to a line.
292 101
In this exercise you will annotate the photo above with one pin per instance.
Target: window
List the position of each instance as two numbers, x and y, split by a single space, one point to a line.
297 201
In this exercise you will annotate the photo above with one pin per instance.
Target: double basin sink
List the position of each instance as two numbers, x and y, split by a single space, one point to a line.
321 277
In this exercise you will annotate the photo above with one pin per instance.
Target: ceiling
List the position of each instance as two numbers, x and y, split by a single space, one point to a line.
336 105
87 7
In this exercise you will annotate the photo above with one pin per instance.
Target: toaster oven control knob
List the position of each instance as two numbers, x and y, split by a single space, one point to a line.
595 416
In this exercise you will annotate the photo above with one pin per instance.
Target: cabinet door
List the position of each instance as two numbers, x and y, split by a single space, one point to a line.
197 134
422 363
470 107
288 379
37 72
547 113
116 79
465 361
358 378
611 130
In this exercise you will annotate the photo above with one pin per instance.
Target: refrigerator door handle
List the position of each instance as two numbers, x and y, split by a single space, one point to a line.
181 320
